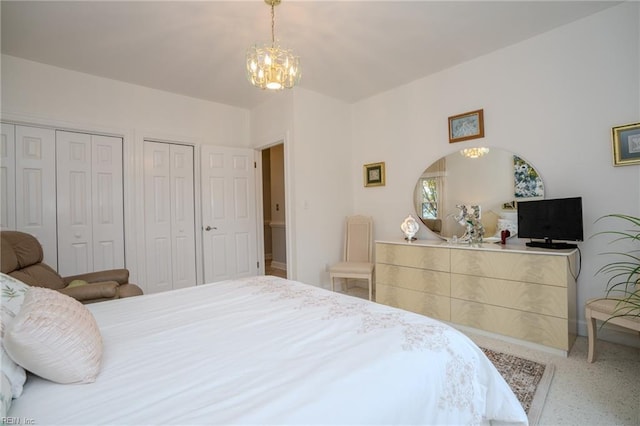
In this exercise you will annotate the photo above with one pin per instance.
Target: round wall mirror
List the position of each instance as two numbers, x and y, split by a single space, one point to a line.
492 179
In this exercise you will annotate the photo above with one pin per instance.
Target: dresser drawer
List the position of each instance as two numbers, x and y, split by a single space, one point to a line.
436 259
533 268
431 305
424 280
536 328
535 298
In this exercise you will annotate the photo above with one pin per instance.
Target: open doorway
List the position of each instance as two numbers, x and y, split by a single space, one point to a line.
274 219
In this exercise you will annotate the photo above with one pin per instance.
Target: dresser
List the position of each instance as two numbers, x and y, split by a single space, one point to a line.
513 290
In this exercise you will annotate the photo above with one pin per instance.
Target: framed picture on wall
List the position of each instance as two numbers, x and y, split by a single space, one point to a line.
469 125
626 144
374 174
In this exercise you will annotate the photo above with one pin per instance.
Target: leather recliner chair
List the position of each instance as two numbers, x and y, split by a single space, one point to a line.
21 257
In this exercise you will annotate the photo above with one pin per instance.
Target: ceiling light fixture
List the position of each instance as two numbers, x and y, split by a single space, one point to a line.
474 152
270 66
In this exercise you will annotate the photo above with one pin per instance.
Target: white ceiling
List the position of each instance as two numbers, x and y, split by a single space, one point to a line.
349 50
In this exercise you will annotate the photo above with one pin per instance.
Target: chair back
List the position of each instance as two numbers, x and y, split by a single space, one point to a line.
358 243
22 259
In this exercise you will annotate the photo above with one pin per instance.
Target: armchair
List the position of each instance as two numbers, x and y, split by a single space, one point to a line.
22 255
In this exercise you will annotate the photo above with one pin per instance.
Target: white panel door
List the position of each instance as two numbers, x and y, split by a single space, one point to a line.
107 202
36 187
169 216
228 213
7 176
182 216
75 233
157 209
90 202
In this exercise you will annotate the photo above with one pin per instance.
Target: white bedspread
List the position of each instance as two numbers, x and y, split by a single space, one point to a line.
269 351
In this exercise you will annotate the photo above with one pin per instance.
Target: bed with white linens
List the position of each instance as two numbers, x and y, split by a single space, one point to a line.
265 350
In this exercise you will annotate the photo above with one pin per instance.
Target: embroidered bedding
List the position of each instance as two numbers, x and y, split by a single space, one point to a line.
265 350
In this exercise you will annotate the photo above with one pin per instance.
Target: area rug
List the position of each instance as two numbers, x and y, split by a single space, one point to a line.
529 380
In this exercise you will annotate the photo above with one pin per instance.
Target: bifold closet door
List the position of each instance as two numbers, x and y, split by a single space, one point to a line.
28 189
169 216
90 202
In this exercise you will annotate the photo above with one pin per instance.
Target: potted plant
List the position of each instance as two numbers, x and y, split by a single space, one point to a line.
624 272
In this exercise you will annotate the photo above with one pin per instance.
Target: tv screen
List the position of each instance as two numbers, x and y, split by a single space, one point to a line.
549 220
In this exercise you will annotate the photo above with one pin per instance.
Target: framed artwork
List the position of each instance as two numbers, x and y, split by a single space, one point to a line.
626 144
527 182
469 125
374 174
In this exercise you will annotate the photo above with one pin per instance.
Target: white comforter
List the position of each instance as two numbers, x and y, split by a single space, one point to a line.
269 351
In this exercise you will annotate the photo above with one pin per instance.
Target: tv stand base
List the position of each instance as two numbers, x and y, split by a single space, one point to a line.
551 245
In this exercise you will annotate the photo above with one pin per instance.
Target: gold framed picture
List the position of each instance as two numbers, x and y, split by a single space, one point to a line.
626 144
469 125
374 174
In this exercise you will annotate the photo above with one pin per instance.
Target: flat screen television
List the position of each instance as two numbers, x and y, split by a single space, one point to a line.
551 220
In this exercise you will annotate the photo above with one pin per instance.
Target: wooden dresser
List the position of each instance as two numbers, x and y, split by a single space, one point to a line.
512 290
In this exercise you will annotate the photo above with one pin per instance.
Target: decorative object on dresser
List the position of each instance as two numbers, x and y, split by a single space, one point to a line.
626 144
518 292
409 228
469 125
357 258
488 181
22 259
621 306
374 174
469 216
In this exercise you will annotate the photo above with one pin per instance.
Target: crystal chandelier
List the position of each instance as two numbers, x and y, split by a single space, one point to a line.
474 152
270 66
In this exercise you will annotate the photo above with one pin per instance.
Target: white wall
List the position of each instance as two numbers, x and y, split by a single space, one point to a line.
552 99
35 93
317 134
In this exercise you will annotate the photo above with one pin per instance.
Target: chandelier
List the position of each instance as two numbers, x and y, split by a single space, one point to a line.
474 152
270 66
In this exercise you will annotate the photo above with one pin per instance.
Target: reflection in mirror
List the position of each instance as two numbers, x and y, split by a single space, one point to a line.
495 181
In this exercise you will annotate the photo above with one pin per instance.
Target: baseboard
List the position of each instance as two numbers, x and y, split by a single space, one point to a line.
507 339
268 256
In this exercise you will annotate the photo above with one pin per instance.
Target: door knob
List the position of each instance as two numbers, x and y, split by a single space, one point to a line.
209 228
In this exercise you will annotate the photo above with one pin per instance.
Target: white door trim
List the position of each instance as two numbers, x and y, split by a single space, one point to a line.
289 203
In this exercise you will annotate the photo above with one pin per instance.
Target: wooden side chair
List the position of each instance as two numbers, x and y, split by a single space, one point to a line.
357 261
605 310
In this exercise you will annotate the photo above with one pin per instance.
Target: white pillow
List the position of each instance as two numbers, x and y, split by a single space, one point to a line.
12 296
6 397
55 337
13 291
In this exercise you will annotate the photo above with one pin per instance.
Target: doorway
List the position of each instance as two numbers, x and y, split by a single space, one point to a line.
273 208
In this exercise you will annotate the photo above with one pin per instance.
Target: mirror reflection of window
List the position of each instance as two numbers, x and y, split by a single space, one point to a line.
432 195
429 198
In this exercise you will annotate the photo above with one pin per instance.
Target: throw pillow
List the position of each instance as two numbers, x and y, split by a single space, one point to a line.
55 337
13 292
12 295
77 283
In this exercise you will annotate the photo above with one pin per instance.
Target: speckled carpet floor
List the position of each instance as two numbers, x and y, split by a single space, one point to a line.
529 380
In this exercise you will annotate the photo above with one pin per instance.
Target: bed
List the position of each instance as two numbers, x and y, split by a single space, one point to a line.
266 350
